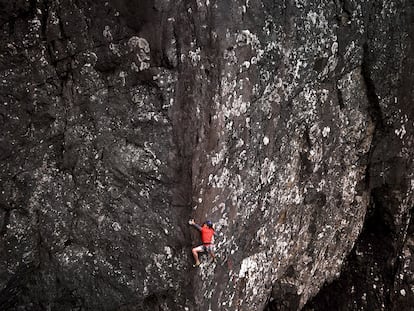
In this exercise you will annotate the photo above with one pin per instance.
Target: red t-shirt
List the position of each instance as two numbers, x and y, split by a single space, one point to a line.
207 234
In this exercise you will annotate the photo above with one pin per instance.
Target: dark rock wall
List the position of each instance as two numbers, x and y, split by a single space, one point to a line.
378 273
94 176
287 123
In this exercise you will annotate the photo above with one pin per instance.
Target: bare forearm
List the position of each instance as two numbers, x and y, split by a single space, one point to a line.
197 226
192 223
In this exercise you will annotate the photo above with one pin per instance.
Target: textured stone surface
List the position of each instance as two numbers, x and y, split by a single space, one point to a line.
378 273
287 123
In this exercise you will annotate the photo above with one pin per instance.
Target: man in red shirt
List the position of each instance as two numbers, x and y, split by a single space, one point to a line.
207 237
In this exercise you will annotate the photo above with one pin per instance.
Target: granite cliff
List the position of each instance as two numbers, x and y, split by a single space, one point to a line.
288 123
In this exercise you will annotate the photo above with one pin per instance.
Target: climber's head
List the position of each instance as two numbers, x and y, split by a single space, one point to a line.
209 223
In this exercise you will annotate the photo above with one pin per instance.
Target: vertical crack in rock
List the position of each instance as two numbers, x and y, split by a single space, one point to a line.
374 107
5 218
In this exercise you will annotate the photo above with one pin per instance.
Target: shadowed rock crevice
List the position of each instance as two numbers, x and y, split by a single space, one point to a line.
368 277
5 217
374 107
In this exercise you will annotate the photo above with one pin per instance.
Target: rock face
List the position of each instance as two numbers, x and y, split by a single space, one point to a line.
287 123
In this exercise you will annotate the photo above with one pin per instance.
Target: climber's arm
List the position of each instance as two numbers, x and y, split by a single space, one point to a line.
192 223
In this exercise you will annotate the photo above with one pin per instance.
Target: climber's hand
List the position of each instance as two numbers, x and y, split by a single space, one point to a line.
191 222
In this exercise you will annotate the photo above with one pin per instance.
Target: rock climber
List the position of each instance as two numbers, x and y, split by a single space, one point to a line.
207 237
